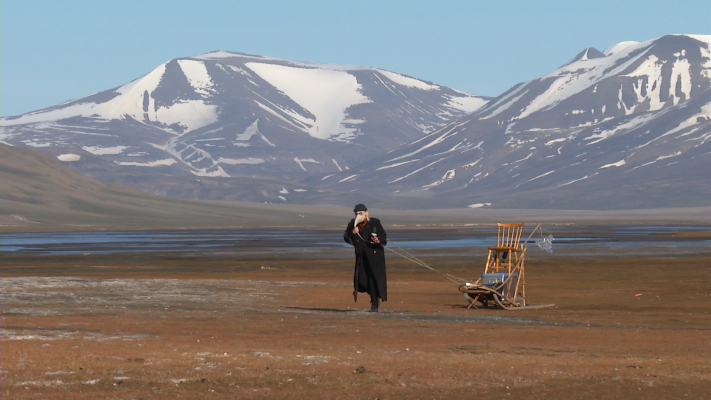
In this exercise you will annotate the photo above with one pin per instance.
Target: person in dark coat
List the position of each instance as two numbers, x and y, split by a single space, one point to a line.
368 237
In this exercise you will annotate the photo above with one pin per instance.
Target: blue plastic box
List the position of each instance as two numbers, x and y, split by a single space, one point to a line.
494 278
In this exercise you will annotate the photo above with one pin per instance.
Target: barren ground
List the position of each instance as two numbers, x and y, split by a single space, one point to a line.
627 323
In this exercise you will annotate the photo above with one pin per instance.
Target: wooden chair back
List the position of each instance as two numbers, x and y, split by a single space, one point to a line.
509 235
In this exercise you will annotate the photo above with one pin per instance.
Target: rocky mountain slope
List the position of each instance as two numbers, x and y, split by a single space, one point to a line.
225 115
627 127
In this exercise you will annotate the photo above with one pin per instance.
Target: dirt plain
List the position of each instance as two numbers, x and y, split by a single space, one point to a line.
274 322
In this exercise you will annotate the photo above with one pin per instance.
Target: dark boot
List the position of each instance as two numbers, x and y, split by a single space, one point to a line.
374 305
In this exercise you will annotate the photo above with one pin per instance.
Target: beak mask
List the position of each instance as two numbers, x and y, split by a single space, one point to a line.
360 217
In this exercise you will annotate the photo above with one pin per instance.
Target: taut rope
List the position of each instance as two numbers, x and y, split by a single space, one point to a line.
416 260
421 263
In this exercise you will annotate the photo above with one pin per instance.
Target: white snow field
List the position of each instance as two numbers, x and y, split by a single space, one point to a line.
326 94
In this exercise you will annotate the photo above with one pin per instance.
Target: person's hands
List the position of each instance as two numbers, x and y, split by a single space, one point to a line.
375 239
355 230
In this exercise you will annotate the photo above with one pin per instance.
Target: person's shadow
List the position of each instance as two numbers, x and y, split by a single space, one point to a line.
324 309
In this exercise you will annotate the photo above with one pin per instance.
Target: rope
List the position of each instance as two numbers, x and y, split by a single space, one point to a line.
416 260
421 263
424 264
531 235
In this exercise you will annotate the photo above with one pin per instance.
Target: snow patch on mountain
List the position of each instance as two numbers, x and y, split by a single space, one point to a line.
660 158
279 116
336 164
407 81
584 73
131 102
190 114
652 68
440 139
616 164
467 104
99 151
36 143
554 141
447 176
132 99
693 121
536 177
326 94
602 134
505 102
301 162
616 48
218 172
252 130
348 178
681 79
158 163
396 164
216 55
84 109
416 171
197 75
69 157
574 78
237 161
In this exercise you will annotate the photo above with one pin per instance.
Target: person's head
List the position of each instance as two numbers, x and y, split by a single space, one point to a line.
361 213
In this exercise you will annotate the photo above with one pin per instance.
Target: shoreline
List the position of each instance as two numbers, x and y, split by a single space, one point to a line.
331 217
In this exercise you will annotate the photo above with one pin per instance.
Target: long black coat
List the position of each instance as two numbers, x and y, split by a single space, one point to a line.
370 259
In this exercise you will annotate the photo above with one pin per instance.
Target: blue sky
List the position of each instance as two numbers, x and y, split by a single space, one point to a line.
52 51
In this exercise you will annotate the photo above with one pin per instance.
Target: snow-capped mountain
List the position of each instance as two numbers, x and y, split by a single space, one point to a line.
627 127
623 128
225 114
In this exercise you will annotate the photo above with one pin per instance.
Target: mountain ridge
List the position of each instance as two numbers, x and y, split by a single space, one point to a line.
232 114
566 129
637 114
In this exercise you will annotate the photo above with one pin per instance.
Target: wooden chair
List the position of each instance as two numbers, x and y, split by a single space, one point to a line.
508 246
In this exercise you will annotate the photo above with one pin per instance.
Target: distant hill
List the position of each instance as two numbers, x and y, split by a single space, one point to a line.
37 191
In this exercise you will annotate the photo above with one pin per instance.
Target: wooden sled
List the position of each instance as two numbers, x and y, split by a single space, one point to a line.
504 279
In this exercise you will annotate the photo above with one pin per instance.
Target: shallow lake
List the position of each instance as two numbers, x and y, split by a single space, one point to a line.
236 239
